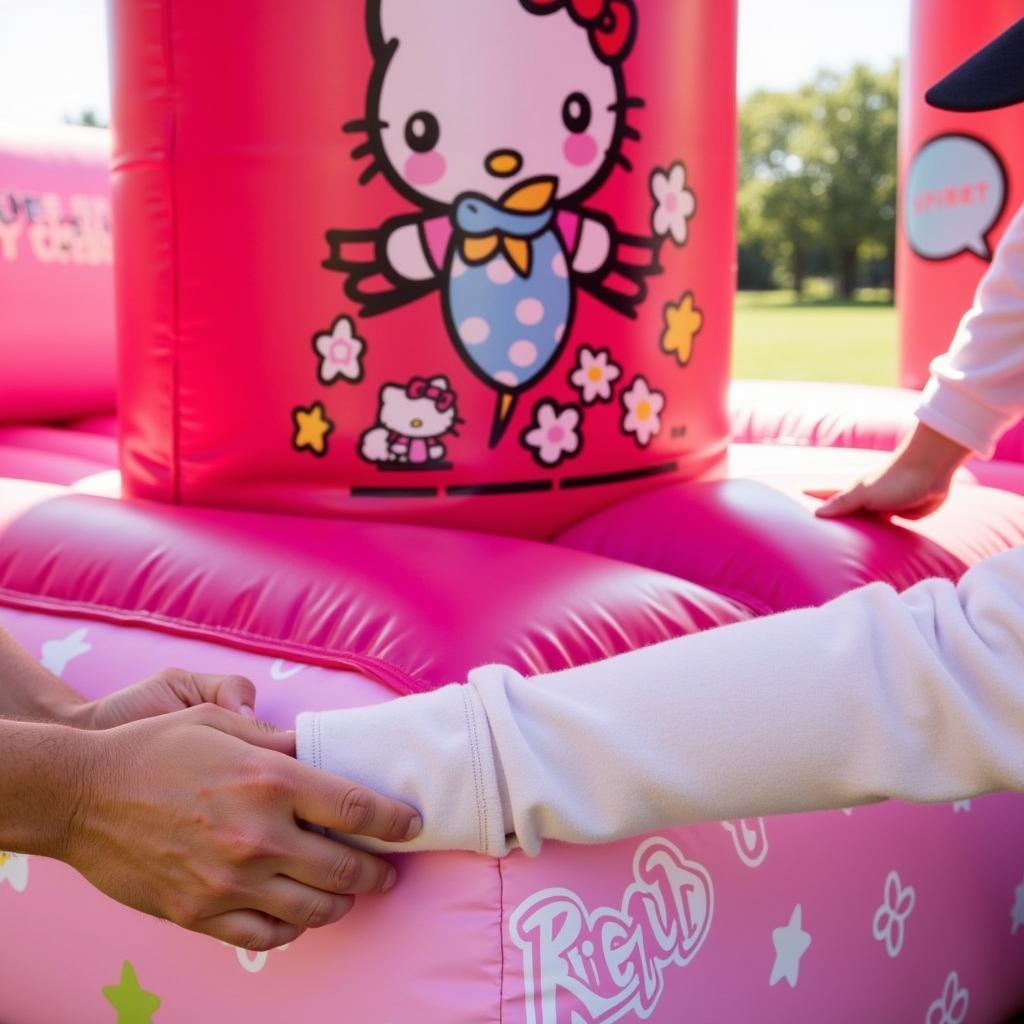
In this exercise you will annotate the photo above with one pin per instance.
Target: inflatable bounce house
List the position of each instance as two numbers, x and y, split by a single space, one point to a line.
423 327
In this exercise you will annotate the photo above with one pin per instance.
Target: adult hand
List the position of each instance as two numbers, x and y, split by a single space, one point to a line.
173 689
194 816
913 485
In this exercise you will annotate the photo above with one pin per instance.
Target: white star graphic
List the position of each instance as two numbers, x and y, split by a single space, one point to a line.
1017 913
57 653
791 943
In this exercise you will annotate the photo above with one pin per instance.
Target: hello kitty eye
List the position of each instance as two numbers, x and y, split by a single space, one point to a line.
577 113
422 132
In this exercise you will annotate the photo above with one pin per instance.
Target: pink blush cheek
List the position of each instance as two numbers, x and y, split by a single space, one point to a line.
580 150
425 168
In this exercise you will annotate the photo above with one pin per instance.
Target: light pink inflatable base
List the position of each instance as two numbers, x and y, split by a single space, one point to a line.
844 917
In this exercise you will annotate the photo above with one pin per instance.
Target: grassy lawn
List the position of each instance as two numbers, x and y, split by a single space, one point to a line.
817 339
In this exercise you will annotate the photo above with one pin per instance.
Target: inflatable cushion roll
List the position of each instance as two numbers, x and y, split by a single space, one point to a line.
413 607
51 455
56 280
760 543
461 264
802 414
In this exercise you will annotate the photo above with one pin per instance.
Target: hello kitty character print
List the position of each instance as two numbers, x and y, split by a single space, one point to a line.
411 424
499 160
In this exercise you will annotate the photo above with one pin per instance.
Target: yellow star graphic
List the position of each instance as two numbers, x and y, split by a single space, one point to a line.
311 429
682 324
133 1004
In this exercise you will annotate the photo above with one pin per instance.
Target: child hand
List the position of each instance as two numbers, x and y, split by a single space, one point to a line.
913 485
170 690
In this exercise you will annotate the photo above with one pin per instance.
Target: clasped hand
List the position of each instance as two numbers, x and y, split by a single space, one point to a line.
188 808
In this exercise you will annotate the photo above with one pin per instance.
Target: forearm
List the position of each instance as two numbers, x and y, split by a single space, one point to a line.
917 696
40 786
977 388
28 690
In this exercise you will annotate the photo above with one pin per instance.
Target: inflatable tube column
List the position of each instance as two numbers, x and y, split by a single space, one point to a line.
961 177
454 262
56 283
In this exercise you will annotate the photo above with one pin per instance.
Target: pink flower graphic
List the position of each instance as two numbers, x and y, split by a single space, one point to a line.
594 375
340 352
643 411
555 433
676 203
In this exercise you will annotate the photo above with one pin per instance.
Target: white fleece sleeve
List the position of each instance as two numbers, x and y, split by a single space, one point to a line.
977 388
918 696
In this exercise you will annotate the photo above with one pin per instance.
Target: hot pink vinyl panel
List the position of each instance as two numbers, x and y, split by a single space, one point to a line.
240 348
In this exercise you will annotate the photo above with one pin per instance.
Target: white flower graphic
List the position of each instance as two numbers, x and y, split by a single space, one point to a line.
594 375
643 411
14 870
341 352
253 962
281 670
951 1006
676 204
750 837
555 434
889 925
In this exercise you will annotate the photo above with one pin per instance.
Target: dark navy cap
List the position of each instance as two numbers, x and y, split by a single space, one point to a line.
992 78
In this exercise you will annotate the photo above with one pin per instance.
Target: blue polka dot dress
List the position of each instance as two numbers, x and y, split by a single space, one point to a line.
510 327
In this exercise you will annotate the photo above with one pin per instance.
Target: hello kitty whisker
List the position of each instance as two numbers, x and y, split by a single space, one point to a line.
363 149
623 161
369 173
631 133
363 125
626 103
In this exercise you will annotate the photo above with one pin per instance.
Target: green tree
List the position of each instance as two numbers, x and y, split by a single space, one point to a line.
818 171
779 209
858 118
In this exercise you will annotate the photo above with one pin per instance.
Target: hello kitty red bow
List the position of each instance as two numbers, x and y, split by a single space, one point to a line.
611 23
420 388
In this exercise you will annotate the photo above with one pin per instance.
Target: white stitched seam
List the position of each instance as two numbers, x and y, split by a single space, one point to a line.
483 832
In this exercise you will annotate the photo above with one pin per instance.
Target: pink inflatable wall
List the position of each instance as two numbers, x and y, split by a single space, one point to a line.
962 180
886 913
56 282
372 263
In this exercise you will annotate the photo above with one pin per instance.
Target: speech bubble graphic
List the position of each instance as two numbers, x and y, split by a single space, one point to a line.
955 194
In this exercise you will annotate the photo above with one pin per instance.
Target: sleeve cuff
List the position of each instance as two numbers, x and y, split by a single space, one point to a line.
961 418
432 751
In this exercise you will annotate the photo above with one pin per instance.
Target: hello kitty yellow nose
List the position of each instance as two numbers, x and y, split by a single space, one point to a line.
503 163
416 424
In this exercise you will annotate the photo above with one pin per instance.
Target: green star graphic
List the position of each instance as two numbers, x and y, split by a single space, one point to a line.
133 1004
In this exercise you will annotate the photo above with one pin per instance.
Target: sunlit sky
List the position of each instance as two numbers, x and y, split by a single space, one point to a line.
53 53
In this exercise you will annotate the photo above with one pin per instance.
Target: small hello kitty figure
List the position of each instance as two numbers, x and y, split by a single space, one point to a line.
497 120
410 425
